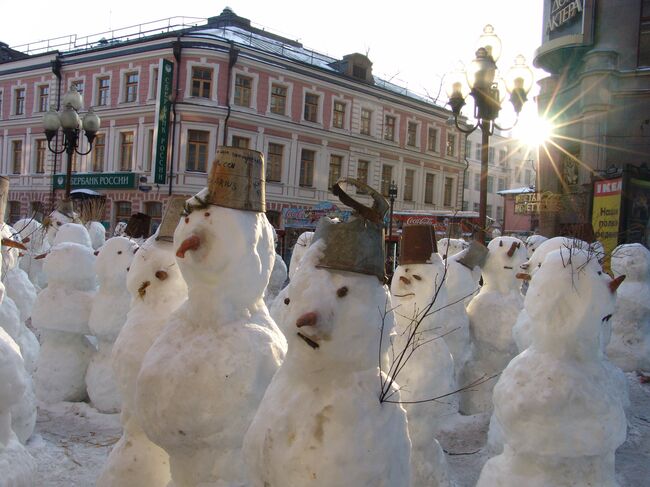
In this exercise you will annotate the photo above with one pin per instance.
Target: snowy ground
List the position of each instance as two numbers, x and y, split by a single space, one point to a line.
72 441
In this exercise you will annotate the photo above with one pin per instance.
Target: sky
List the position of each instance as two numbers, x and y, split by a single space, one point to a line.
413 43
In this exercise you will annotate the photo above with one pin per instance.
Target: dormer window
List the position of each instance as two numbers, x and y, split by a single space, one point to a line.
359 72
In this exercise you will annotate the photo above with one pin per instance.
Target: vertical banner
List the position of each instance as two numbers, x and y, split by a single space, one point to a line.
161 135
606 214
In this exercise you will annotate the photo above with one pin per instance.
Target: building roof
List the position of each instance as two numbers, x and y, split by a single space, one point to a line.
9 54
524 189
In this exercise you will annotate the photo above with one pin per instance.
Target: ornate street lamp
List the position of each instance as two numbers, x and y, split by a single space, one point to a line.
392 194
68 119
482 83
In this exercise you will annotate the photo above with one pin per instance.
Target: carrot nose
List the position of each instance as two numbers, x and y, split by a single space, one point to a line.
308 319
405 279
614 283
524 276
190 243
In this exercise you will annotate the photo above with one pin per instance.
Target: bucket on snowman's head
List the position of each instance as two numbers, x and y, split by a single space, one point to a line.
237 179
418 243
4 196
138 226
167 227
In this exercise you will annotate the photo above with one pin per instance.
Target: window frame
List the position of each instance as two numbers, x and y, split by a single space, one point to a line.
124 85
319 106
363 130
308 180
198 145
392 126
273 163
17 156
40 151
412 133
368 169
237 94
38 98
274 96
449 202
120 148
408 194
331 180
95 152
450 144
430 201
343 117
384 185
15 102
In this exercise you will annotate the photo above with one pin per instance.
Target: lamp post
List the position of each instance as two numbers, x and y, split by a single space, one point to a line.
486 89
68 119
392 194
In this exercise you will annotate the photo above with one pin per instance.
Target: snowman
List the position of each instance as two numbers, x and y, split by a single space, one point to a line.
61 315
97 233
419 299
32 235
533 242
560 411
451 246
157 289
321 422
107 316
629 347
59 217
492 314
278 276
202 379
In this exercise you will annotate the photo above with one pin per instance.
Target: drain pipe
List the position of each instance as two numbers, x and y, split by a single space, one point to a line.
177 57
233 54
56 70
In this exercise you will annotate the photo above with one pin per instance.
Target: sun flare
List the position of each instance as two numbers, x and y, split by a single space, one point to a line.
533 131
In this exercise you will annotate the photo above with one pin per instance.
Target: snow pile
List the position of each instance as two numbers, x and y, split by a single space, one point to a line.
492 313
429 371
107 316
559 408
629 347
157 289
321 422
61 315
276 281
202 379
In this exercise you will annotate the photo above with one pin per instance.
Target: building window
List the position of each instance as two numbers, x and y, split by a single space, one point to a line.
451 145
432 140
1 93
359 72
477 181
336 165
466 181
241 142
386 178
148 160
449 189
16 156
477 154
476 207
197 150
362 174
98 153
307 158
130 87
41 153
491 155
122 211
13 212
503 157
311 107
428 188
366 116
278 99
389 128
465 205
243 90
502 184
154 210
411 133
19 105
500 213
468 147
338 119
153 90
644 35
103 91
43 97
490 184
409 179
274 162
488 211
201 82
75 162
126 151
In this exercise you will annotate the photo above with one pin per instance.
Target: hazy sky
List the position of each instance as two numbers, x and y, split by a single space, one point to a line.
413 42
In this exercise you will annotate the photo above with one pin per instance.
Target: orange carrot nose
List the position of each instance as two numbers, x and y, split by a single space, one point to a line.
405 280
614 283
41 256
513 247
190 243
523 276
7 242
308 319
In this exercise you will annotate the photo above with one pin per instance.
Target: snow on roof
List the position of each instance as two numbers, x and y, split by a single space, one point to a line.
525 189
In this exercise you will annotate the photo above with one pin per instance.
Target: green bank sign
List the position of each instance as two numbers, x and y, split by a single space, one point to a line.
117 180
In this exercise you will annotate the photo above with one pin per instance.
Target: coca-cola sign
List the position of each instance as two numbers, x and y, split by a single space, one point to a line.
420 220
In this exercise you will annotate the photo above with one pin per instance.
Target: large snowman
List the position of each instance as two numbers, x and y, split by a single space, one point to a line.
32 235
61 315
63 214
321 422
204 376
420 353
559 408
157 290
629 347
492 314
107 316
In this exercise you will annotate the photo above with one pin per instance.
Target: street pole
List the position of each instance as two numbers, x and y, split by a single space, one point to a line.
482 214
68 171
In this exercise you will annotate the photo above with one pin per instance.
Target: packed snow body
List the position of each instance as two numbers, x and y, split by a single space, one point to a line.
107 316
277 280
320 422
299 250
451 246
54 221
97 233
559 408
629 347
492 314
17 467
61 315
429 371
157 289
32 235
202 379
533 242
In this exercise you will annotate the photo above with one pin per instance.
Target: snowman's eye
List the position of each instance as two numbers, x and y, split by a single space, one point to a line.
119 252
539 265
416 277
342 291
600 273
287 301
58 224
207 213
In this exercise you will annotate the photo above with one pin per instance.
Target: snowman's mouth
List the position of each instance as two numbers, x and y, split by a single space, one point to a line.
403 295
607 318
313 344
507 267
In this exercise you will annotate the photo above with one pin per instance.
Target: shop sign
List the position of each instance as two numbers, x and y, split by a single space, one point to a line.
606 212
118 180
534 203
309 217
563 13
161 124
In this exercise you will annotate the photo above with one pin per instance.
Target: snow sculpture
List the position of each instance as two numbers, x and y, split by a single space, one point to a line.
61 315
561 413
492 314
451 246
204 376
59 217
278 276
299 250
533 242
321 422
32 235
157 290
107 316
629 347
419 298
97 233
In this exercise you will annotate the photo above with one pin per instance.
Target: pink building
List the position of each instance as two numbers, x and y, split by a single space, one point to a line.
515 220
314 117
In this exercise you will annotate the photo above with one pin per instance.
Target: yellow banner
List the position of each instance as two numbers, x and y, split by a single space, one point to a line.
606 214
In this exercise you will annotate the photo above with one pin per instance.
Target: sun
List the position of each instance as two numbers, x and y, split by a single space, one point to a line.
533 131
